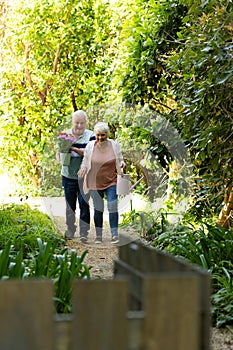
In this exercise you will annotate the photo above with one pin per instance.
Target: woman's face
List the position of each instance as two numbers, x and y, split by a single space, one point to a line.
101 136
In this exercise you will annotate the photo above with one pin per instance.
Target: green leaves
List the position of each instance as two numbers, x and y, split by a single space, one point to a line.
211 248
202 85
5 260
223 298
69 266
49 66
148 35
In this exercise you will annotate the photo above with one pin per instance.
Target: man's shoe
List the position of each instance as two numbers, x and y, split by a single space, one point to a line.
69 235
115 239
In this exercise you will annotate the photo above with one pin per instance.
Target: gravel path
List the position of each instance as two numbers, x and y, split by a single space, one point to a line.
100 256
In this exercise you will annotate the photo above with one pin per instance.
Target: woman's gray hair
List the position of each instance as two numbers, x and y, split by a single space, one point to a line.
101 126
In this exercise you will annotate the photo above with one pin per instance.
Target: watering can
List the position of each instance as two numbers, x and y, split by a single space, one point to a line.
123 184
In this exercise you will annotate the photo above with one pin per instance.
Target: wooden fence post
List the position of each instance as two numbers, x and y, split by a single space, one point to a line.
26 315
100 309
171 305
137 261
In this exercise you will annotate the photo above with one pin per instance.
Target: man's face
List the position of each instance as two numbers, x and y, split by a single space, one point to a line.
79 125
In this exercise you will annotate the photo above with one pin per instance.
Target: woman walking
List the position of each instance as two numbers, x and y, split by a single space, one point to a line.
102 162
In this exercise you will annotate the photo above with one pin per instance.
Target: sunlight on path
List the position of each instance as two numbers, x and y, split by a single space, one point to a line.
55 206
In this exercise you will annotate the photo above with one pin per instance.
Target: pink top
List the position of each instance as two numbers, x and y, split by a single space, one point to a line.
103 172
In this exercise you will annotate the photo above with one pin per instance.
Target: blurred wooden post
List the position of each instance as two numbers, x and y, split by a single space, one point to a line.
26 315
100 310
138 262
171 305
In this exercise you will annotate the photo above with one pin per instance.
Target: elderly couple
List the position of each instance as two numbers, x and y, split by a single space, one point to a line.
95 162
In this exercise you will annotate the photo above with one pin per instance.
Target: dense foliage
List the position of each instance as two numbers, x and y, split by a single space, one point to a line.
203 86
54 62
177 57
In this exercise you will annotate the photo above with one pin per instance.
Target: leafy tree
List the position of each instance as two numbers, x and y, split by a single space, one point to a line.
203 87
148 35
177 57
53 62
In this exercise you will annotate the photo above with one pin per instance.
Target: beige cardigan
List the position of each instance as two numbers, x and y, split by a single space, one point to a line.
86 163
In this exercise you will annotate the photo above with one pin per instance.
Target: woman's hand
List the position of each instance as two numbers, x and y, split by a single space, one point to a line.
81 172
123 165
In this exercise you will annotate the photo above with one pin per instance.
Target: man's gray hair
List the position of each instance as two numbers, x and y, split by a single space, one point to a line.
79 113
101 126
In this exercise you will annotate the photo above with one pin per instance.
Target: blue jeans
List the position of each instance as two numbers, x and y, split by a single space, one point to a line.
73 192
112 204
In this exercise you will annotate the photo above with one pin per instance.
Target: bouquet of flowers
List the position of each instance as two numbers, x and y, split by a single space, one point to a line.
65 142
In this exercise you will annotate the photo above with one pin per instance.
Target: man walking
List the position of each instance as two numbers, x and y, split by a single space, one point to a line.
72 185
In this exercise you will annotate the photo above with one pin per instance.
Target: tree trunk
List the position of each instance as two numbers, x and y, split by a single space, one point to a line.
226 214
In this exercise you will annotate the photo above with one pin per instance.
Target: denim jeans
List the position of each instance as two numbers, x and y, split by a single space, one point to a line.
73 192
112 205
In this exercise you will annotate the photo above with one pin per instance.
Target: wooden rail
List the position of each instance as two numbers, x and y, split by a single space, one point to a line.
174 294
155 302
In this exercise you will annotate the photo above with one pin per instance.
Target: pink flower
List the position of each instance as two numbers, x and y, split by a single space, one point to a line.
65 142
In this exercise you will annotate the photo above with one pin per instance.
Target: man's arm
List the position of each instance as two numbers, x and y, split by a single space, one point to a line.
79 151
58 156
